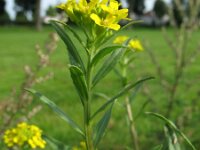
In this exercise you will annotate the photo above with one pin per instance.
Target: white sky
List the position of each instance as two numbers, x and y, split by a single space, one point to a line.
46 3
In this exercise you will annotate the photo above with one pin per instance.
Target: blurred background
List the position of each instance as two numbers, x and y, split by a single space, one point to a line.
27 12
32 56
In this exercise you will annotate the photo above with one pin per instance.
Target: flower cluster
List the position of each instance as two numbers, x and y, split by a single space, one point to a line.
134 44
96 15
24 134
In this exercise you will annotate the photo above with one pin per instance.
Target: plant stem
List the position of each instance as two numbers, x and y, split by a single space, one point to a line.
88 129
87 106
132 129
131 124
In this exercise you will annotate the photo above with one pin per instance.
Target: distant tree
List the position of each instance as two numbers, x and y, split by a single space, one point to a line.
29 6
136 6
160 8
2 6
180 10
51 11
38 21
4 18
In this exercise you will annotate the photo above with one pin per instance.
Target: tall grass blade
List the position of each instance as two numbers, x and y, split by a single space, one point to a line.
57 110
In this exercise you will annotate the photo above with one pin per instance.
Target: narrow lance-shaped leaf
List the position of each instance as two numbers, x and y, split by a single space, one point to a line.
79 82
102 53
122 92
57 110
74 33
102 125
107 66
173 126
74 56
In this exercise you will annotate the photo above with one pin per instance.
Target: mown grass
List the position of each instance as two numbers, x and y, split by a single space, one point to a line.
17 50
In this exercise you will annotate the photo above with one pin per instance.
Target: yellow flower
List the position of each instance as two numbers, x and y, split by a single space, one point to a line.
136 45
103 13
108 22
24 134
109 15
113 9
80 11
69 9
120 39
85 7
133 43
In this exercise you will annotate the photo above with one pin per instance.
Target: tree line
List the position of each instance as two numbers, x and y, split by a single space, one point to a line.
32 7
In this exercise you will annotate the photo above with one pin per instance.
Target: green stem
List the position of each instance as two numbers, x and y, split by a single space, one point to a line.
132 129
87 106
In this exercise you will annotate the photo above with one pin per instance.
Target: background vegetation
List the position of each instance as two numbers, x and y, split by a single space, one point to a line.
15 53
17 48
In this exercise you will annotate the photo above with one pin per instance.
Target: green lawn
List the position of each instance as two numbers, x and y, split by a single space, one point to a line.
17 49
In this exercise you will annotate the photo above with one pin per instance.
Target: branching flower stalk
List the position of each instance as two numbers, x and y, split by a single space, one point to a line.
184 33
97 19
179 47
134 45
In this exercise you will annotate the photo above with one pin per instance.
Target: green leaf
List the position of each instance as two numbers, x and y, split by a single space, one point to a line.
122 92
107 66
172 126
102 125
102 53
55 144
74 56
79 82
76 35
72 31
172 140
57 110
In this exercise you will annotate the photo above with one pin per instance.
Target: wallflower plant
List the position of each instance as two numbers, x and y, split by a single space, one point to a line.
99 21
24 136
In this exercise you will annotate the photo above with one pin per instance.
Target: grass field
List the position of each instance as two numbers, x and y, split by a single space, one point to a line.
17 49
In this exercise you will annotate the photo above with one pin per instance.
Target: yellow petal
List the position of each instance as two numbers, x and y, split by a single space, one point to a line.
95 18
114 5
120 39
114 26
